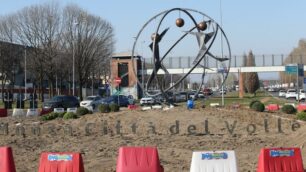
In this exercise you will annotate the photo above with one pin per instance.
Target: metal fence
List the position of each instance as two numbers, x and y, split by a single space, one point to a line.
236 61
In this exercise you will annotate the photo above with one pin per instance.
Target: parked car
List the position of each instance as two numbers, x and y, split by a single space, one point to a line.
207 91
121 100
224 91
302 96
147 101
291 93
282 93
201 95
191 95
91 102
180 97
271 89
62 102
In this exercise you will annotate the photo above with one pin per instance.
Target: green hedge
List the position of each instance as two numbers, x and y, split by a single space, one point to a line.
104 108
52 115
288 109
301 116
258 106
252 102
70 115
82 111
114 107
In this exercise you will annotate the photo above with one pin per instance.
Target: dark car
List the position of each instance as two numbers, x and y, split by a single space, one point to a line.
62 102
207 91
121 100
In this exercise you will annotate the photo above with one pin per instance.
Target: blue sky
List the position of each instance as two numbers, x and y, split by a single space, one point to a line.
265 26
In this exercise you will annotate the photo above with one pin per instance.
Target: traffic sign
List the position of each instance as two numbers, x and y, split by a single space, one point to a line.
291 69
301 69
117 80
295 69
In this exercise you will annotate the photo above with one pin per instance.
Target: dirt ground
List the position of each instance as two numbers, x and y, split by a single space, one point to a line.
98 136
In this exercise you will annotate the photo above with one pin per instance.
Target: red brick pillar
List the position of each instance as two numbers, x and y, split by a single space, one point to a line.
241 85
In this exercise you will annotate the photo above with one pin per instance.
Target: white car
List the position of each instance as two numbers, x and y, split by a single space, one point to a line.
147 101
282 93
302 95
91 102
291 93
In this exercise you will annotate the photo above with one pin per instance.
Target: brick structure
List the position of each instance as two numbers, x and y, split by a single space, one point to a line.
122 66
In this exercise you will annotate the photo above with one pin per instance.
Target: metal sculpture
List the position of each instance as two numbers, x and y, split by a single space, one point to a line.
205 39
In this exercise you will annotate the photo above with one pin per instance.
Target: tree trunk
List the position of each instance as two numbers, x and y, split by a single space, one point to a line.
80 91
41 94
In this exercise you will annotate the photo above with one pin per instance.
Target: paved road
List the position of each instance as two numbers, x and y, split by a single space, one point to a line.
275 94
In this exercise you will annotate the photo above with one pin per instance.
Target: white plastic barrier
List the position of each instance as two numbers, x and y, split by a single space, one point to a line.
214 105
157 107
216 161
168 107
32 112
58 110
74 110
146 108
18 112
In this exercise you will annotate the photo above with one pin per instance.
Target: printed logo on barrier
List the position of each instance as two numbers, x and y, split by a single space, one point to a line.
279 153
56 157
209 156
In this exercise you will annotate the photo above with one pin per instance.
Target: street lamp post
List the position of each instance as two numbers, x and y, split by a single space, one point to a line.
25 72
73 86
73 61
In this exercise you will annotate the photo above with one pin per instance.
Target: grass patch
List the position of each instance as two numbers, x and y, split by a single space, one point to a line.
233 98
26 104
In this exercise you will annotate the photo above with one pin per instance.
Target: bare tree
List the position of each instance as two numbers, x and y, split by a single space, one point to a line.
52 36
28 29
92 38
9 52
50 39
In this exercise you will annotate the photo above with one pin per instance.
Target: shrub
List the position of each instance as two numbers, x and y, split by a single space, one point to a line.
104 108
61 114
301 116
252 102
288 109
70 115
45 117
49 116
258 106
82 111
114 107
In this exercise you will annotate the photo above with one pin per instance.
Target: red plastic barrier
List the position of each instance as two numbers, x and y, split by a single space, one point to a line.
138 159
45 111
273 107
280 160
61 162
132 107
3 112
301 107
6 160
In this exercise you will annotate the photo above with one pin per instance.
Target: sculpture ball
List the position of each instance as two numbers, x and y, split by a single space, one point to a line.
202 26
179 22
